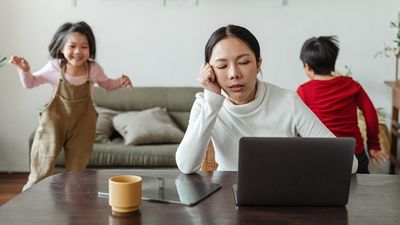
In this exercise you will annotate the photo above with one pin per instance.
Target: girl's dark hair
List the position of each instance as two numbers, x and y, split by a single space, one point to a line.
232 31
61 35
320 54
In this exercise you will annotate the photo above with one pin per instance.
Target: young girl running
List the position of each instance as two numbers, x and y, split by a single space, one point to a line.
68 121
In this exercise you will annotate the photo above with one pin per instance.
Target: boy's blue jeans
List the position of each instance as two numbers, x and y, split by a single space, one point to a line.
363 162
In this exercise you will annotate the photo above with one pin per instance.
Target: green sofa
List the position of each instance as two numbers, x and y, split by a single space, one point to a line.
176 100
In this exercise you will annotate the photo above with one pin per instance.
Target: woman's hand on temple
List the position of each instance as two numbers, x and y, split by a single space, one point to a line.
208 79
20 62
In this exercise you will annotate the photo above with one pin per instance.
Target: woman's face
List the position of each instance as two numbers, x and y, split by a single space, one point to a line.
236 69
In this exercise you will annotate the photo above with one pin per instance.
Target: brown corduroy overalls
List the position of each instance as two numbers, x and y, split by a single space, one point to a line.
69 122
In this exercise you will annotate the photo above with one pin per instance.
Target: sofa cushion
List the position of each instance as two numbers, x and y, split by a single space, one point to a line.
149 126
116 154
104 126
181 119
174 99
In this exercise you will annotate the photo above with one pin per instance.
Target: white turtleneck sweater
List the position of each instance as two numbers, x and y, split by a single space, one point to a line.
275 112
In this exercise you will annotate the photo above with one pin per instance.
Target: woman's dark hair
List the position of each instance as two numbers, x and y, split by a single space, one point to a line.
61 35
232 31
320 54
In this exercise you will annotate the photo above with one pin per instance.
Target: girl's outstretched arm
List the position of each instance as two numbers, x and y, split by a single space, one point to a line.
31 80
107 83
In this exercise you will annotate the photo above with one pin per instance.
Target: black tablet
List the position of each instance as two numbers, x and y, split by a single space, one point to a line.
179 191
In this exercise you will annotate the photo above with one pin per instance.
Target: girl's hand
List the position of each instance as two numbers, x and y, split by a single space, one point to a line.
378 156
208 79
20 62
125 82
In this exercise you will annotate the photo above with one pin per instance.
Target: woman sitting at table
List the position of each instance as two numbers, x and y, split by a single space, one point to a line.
235 104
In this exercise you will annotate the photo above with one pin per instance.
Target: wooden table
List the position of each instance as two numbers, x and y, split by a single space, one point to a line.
71 198
395 126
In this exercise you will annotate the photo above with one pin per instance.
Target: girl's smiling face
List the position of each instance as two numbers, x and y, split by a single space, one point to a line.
236 68
76 50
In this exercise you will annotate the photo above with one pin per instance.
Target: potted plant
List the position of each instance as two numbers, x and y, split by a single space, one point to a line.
396 49
397 41
3 61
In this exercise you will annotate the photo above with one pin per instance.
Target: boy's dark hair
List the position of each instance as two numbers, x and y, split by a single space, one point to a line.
232 31
320 54
61 35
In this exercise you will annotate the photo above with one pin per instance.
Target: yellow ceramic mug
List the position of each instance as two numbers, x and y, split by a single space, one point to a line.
125 193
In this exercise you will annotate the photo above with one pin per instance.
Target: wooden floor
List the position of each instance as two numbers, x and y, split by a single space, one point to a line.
11 185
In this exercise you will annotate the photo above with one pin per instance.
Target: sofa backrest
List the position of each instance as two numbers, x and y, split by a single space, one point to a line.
177 100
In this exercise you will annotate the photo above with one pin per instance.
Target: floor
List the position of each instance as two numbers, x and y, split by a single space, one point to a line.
11 185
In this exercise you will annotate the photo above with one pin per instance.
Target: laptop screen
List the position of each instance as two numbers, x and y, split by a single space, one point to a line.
293 171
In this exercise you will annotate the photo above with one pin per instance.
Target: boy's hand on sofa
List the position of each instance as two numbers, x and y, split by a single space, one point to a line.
378 156
125 82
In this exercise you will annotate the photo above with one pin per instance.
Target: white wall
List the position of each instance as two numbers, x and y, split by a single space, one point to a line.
160 45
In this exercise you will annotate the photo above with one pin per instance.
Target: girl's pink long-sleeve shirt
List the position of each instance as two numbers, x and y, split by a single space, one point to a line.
51 73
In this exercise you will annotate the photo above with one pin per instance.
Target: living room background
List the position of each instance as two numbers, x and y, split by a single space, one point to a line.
161 43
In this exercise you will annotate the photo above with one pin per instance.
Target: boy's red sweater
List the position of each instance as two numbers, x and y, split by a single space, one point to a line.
335 103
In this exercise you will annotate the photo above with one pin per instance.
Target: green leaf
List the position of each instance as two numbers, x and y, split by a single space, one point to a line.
3 61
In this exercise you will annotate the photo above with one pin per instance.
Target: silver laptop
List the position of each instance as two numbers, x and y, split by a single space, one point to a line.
294 171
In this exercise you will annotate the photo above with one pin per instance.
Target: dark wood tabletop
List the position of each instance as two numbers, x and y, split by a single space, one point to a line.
71 198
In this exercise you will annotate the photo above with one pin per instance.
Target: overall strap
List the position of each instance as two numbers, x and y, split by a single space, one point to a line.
62 79
87 65
63 66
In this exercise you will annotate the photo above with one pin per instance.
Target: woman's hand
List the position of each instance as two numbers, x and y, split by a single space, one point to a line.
208 79
125 82
20 62
378 156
